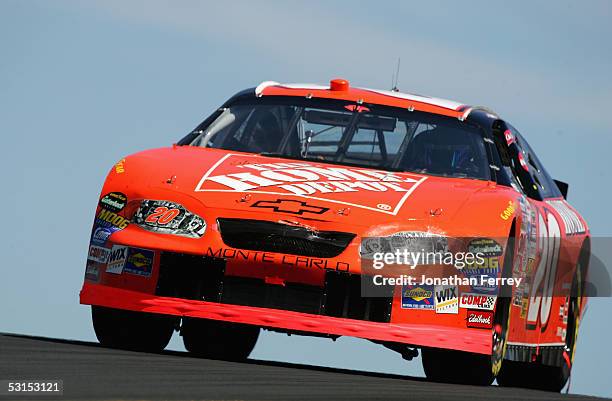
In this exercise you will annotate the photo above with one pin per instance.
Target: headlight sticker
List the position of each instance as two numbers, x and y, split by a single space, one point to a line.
169 218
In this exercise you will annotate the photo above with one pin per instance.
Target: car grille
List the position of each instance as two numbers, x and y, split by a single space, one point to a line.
203 278
259 235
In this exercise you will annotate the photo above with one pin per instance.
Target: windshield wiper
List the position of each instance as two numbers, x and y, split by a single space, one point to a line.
293 157
272 154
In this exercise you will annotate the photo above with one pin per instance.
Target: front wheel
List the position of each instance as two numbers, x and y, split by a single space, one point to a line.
219 340
449 366
136 331
538 376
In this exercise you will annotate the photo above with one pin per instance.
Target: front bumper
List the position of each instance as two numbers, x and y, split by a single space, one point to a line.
420 335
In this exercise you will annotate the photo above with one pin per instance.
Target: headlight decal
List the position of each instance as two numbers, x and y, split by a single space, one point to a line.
169 218
412 241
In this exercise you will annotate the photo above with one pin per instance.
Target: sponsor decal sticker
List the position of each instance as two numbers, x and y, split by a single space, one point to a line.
117 259
571 221
100 234
417 297
113 201
98 254
112 219
238 173
522 162
509 137
491 252
139 262
446 299
477 301
524 306
487 246
92 271
290 206
479 319
508 211
120 166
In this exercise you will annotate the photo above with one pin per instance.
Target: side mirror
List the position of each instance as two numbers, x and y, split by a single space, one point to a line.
563 187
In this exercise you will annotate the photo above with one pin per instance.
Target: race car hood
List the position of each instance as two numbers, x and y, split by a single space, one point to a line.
279 188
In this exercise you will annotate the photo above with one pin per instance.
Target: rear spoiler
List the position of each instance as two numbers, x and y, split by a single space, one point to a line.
563 187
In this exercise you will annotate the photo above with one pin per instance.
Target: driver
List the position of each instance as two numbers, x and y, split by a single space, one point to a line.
266 135
442 151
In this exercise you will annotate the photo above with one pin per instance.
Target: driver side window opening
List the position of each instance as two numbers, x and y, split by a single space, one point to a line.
544 182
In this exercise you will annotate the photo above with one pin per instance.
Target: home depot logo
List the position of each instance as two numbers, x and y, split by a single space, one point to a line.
240 173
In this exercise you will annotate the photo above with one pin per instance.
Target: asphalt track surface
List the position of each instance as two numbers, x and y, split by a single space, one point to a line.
90 371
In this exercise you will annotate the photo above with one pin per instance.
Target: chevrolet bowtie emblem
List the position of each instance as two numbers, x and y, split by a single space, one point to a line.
290 206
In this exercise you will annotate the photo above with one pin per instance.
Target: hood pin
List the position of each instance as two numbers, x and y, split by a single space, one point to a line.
435 212
244 198
344 212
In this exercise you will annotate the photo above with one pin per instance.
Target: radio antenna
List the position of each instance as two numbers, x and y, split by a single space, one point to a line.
395 77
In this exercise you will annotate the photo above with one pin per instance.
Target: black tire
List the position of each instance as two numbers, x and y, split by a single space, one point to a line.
537 376
449 366
446 366
219 340
137 331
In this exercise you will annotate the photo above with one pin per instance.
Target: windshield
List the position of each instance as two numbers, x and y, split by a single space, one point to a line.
345 133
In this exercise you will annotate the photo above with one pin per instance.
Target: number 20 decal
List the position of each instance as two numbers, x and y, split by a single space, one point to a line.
162 216
540 303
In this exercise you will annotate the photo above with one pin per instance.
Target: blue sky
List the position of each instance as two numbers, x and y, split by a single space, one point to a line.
83 84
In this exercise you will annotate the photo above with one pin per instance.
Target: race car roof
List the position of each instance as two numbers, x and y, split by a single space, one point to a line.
340 89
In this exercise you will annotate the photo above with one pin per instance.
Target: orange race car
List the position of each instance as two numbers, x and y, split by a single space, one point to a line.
316 209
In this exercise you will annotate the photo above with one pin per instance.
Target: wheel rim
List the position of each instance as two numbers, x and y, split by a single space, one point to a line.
574 315
500 334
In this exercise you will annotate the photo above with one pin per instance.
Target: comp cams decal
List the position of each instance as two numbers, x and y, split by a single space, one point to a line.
238 173
477 301
98 254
